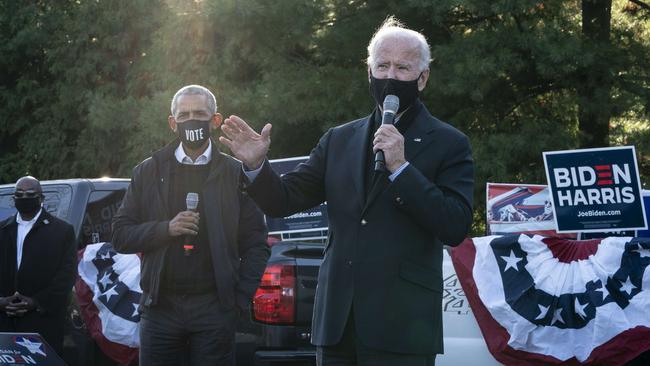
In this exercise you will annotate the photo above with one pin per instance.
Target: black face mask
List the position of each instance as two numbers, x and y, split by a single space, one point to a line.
28 206
193 133
406 91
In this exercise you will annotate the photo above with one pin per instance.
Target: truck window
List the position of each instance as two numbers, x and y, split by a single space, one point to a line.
101 207
57 201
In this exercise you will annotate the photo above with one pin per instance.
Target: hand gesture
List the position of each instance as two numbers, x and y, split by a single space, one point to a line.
185 223
247 145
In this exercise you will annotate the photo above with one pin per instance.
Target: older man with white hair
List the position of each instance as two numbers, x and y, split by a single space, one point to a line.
378 300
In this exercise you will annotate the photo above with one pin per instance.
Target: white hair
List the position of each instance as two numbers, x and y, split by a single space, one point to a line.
393 27
195 90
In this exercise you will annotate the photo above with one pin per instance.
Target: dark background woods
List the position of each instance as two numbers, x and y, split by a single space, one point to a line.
85 86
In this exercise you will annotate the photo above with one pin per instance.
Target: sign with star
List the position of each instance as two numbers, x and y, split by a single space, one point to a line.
19 349
108 292
554 301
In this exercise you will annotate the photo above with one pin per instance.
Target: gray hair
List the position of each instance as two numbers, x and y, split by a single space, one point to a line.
195 90
393 27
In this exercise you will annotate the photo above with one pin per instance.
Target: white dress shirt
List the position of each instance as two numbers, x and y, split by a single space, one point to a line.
24 227
202 159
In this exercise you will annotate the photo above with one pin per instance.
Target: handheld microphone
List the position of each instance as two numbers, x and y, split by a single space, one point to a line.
390 107
192 202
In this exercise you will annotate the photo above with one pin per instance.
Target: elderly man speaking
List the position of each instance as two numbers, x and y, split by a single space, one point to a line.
378 300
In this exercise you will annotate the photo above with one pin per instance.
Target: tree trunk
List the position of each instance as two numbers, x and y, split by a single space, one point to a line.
594 94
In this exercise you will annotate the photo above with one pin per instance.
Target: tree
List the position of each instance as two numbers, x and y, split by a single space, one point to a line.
88 83
25 82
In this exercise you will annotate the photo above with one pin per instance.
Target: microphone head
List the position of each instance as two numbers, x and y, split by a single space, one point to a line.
192 201
391 104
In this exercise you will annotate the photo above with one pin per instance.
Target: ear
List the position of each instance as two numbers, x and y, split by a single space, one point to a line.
422 81
172 123
369 73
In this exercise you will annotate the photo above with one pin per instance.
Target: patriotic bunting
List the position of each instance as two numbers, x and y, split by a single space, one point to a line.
108 293
541 301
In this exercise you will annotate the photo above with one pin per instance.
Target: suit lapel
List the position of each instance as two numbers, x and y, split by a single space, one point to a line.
416 138
43 220
12 228
358 148
379 185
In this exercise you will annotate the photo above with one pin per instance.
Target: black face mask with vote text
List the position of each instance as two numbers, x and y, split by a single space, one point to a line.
406 91
193 133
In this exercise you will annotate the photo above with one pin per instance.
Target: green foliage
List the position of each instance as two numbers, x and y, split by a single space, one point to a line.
86 85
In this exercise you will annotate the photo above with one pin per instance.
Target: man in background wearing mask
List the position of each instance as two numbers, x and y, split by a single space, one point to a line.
37 267
378 300
200 268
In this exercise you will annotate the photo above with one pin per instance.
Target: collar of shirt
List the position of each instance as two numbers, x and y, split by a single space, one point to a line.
202 159
20 221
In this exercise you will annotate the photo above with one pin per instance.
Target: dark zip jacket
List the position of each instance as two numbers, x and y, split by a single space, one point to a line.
236 229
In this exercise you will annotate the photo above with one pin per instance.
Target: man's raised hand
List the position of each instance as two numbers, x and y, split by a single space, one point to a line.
247 145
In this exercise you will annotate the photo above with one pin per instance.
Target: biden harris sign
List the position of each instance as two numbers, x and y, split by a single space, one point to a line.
595 189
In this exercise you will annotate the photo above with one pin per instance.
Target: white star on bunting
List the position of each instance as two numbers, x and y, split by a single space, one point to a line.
627 286
111 292
105 280
580 308
557 316
543 310
511 261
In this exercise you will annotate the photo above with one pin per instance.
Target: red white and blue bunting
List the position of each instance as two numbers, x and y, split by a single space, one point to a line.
541 301
108 293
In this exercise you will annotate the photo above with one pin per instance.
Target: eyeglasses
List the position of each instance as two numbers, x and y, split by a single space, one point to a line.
30 193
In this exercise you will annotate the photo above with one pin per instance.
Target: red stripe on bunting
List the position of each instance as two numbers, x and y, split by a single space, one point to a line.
567 251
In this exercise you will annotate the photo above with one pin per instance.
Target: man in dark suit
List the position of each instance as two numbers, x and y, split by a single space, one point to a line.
200 268
378 300
37 267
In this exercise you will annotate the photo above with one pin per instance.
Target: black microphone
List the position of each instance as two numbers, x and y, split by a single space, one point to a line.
390 107
192 202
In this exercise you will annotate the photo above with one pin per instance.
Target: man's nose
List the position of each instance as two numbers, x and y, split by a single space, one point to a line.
391 72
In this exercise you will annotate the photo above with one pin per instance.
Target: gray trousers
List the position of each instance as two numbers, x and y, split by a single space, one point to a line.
191 329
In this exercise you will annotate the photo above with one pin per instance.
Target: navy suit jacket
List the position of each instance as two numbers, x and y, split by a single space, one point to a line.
383 257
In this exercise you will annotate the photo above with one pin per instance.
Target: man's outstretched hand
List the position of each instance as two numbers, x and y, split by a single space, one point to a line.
247 145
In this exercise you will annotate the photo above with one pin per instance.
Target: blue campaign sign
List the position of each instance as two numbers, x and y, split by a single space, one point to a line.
27 349
312 220
646 204
595 190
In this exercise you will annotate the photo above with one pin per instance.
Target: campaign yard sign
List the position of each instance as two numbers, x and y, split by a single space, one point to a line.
313 220
19 349
595 189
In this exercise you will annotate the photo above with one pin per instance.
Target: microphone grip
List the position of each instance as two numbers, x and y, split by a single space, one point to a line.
380 162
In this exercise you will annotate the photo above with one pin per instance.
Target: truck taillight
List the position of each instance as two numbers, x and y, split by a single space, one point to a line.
275 299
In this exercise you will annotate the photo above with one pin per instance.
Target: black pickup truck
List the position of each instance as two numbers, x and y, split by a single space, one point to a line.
278 328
